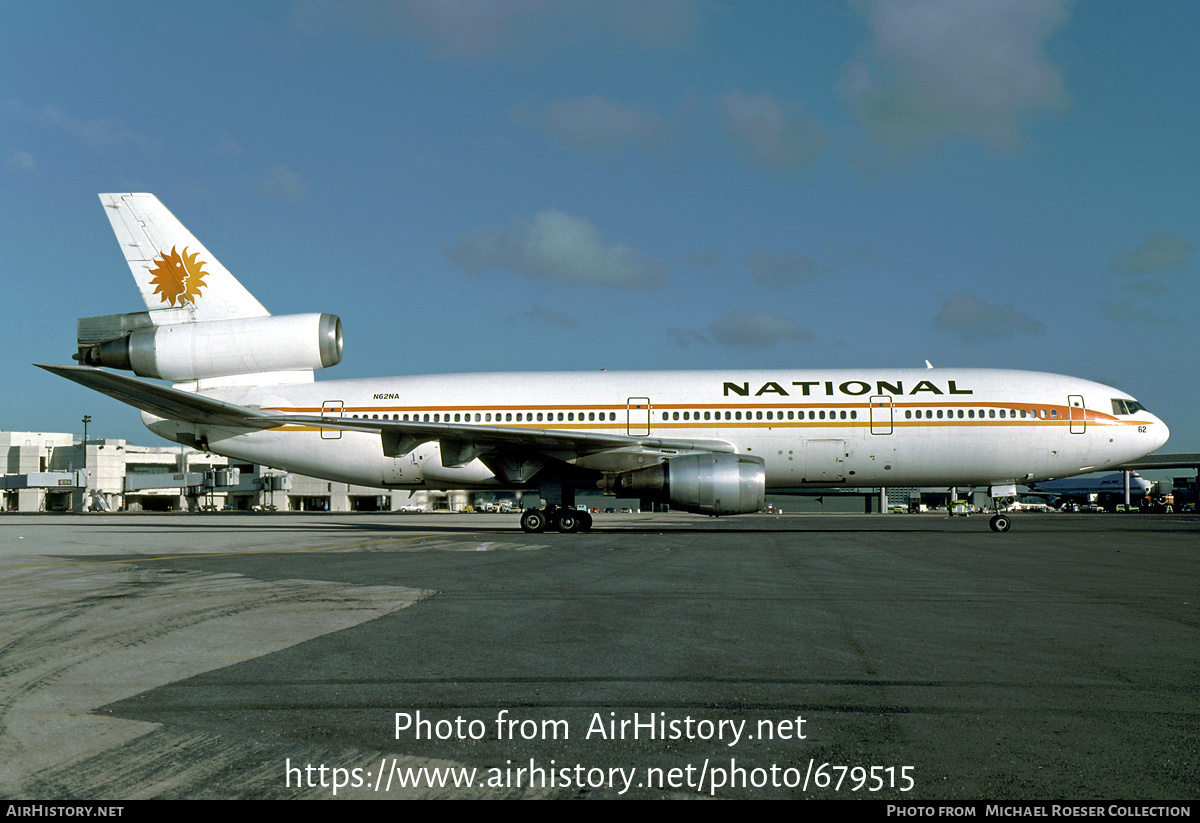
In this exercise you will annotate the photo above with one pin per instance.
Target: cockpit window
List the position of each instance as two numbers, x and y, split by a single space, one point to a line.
1127 406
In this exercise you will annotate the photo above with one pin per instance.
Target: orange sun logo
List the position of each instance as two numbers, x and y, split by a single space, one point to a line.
178 277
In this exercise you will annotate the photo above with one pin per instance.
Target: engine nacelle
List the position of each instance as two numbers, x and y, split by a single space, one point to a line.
222 348
700 483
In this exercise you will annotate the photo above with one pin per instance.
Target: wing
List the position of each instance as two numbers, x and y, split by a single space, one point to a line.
459 443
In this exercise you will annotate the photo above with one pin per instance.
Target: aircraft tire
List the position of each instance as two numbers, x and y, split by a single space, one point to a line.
534 521
570 522
1000 523
586 520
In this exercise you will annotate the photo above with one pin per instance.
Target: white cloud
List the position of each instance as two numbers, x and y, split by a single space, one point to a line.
781 270
543 317
280 181
554 245
705 261
99 135
759 329
972 319
939 68
21 161
767 134
472 30
227 145
744 329
686 337
1126 312
1158 253
651 23
597 123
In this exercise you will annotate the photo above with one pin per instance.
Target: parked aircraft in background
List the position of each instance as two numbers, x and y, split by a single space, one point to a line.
711 442
1105 491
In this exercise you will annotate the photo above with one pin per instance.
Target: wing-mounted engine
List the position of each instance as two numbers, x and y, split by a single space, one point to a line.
178 351
701 483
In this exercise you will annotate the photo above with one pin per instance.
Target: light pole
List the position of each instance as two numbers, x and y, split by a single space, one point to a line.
87 418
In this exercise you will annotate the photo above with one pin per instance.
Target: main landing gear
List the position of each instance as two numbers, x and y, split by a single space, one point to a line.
568 521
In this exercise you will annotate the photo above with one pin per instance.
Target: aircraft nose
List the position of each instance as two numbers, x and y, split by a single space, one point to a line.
1161 433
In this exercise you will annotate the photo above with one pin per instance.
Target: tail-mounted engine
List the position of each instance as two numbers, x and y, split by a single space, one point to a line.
701 483
212 348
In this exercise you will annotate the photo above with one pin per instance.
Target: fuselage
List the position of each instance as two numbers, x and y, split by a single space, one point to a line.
1081 487
962 427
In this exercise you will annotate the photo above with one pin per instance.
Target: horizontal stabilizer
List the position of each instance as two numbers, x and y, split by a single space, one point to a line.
162 401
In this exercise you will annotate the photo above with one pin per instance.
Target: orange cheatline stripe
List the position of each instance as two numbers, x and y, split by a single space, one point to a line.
717 425
1090 415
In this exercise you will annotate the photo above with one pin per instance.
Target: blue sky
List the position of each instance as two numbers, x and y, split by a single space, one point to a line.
567 184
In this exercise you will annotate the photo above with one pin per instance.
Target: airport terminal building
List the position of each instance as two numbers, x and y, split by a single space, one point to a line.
52 471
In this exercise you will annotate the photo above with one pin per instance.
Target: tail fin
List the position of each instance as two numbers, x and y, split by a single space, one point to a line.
172 268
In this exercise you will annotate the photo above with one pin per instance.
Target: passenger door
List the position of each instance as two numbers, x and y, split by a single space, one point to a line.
332 409
637 411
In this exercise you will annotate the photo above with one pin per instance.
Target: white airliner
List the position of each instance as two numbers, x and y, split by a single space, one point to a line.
1108 490
711 442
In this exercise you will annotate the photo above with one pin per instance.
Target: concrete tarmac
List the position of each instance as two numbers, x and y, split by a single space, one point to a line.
815 656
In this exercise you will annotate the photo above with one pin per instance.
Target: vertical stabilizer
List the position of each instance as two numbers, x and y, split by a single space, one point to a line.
175 273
